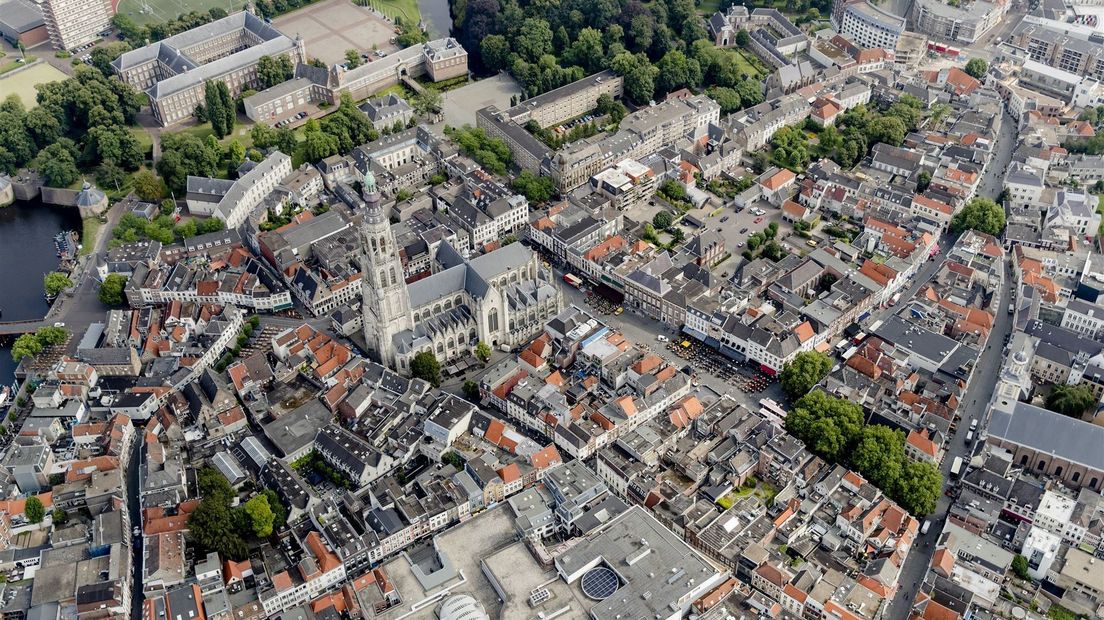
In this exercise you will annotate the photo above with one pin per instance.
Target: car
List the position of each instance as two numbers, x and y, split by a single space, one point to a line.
724 219
758 219
662 338
59 324
743 230
739 244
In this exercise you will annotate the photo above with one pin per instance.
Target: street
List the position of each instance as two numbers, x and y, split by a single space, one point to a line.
975 404
134 508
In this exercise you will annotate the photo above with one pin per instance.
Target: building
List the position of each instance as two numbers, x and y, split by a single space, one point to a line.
501 298
72 23
962 23
384 112
233 201
21 22
173 72
627 183
441 59
870 27
1049 443
1074 48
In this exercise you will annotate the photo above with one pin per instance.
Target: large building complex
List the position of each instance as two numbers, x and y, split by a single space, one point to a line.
76 22
962 23
869 26
174 71
1074 48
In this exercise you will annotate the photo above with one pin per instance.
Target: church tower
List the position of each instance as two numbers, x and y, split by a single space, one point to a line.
386 301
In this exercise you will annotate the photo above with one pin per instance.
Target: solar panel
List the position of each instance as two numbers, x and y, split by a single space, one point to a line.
600 583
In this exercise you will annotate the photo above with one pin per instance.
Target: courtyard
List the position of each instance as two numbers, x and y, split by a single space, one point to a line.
331 27
461 104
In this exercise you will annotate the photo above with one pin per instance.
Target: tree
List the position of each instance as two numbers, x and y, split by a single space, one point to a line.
184 154
1070 400
103 56
1020 566
55 282
923 180
51 335
34 510
220 108
235 154
980 214
60 516
111 289
483 352
57 166
470 390
279 512
147 185
977 68
614 109
425 366
742 38
534 39
804 371
428 102
212 527
662 220
260 516
826 424
888 129
352 58
587 51
880 455
639 74
495 51
535 189
25 346
918 488
677 71
271 71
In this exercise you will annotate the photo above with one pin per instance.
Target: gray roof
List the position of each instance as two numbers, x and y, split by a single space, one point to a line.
20 15
1050 433
462 274
295 430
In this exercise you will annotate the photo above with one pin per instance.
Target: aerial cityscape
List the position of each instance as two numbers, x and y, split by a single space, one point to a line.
551 309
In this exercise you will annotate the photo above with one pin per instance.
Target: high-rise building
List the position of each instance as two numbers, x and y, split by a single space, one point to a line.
72 23
386 301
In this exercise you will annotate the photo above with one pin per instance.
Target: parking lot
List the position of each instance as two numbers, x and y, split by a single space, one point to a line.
333 26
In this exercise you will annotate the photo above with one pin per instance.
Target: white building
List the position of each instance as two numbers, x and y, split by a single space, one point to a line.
870 27
232 202
72 23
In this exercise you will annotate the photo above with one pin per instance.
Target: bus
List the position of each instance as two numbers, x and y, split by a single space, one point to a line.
956 467
573 280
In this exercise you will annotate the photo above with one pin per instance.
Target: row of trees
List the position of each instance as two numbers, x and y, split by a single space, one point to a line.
215 526
218 107
132 31
30 345
833 429
491 153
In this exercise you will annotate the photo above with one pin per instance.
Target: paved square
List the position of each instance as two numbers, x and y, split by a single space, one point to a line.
329 28
461 104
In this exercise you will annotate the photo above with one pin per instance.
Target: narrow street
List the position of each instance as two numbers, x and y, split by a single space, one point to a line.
975 404
134 508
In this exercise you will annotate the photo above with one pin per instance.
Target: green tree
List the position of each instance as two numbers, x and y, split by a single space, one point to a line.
923 180
639 73
1070 400
103 56
25 346
425 366
147 185
888 129
60 516
34 510
827 425
1020 566
918 488
980 214
608 106
588 51
55 282
495 51
470 390
483 352
212 109
51 335
57 166
184 154
279 511
235 154
111 289
260 516
742 38
662 220
977 68
677 71
535 189
534 39
804 371
272 71
880 455
352 58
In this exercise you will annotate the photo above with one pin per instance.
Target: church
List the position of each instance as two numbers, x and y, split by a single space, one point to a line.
502 298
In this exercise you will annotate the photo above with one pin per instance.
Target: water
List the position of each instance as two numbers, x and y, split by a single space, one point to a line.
27 253
436 15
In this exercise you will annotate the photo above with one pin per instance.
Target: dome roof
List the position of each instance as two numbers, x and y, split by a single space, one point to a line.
90 196
461 607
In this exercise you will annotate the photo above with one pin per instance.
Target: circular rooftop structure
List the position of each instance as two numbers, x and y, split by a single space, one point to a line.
461 607
600 582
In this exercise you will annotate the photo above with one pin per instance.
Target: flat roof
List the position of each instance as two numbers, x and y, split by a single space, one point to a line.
1050 433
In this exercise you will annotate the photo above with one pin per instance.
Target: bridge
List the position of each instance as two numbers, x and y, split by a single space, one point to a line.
15 328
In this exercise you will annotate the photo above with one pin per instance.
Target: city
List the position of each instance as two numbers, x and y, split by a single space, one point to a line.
472 309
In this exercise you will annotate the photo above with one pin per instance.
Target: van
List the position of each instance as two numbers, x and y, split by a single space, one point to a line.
969 437
924 528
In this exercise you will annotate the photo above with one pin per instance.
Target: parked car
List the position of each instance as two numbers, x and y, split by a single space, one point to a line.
758 219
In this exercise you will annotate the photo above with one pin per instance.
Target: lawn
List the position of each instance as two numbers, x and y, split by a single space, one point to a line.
709 7
407 9
145 12
88 235
750 65
23 83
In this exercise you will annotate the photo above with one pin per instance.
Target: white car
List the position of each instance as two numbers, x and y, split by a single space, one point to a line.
662 338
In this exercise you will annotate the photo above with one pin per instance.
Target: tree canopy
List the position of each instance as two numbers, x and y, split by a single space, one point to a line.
111 289
34 510
1070 400
55 282
261 517
804 371
425 366
976 68
980 214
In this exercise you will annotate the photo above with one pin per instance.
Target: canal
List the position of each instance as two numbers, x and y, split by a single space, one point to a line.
435 13
27 253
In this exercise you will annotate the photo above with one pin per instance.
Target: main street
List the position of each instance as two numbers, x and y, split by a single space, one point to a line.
975 404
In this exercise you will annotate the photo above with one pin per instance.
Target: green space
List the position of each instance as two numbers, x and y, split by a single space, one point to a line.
709 7
23 83
13 63
146 12
749 64
91 227
763 490
406 9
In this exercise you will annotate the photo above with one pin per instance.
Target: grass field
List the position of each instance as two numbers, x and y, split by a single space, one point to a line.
145 12
407 9
750 65
23 83
709 7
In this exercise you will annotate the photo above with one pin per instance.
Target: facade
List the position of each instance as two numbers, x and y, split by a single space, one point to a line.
72 23
1074 48
173 72
501 298
627 183
21 22
870 27
964 23
233 201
